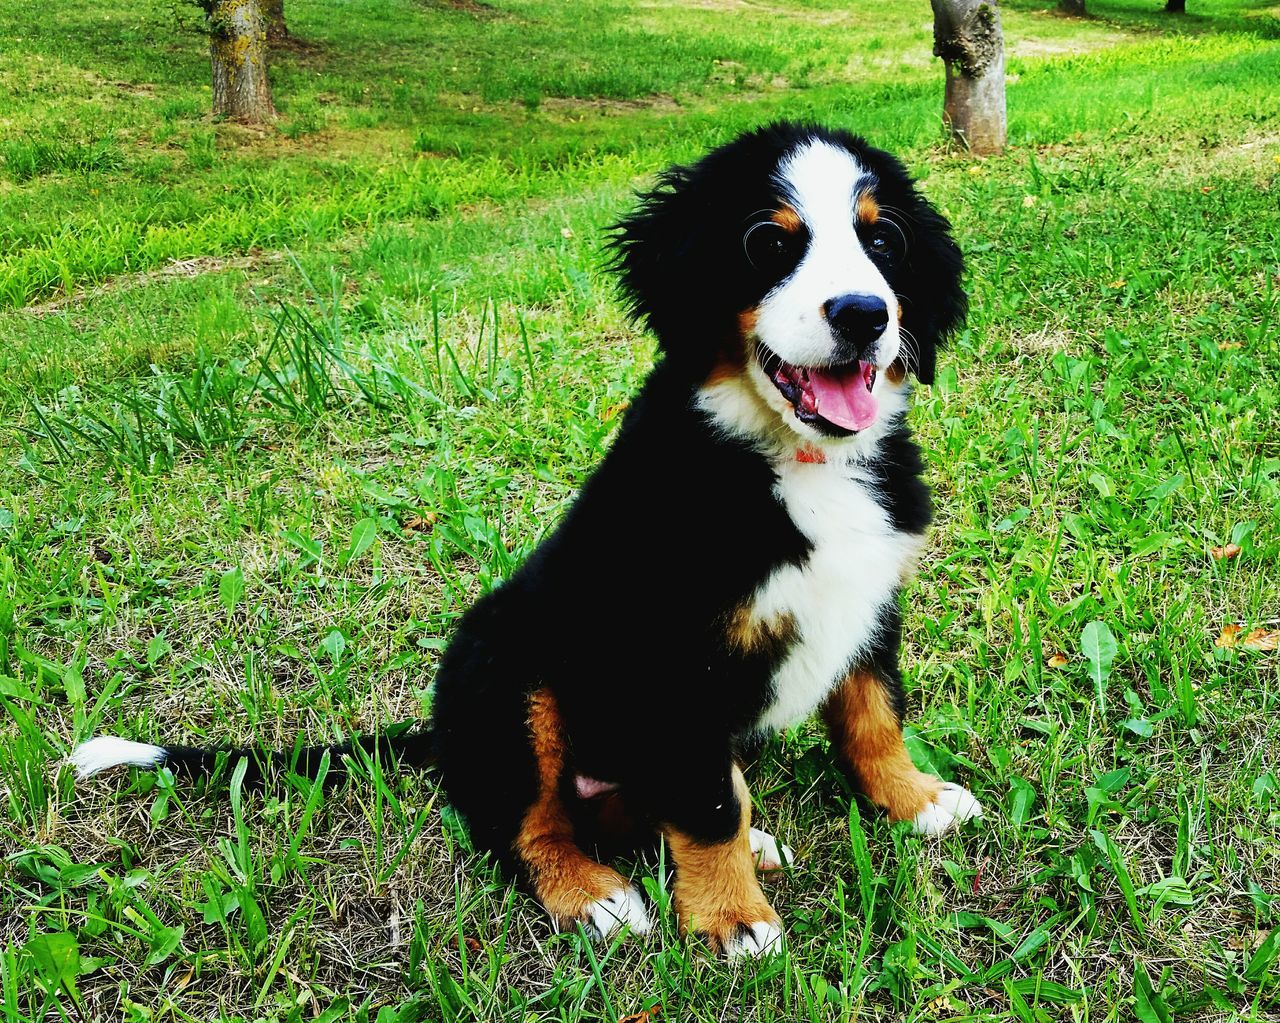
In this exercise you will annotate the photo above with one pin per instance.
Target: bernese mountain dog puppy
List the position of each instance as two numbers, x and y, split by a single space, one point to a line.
734 564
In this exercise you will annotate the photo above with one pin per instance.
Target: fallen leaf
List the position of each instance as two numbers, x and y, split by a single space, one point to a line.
1227 637
566 232
420 523
1226 346
1263 639
612 411
1120 283
473 947
1229 551
1206 189
1029 200
1058 660
643 1016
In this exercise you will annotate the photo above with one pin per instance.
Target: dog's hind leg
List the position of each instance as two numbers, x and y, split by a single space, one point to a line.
570 885
866 730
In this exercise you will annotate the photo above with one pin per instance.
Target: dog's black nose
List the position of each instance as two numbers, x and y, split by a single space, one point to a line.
858 321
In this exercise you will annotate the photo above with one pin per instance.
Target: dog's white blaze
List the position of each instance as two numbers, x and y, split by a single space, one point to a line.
822 182
107 751
838 595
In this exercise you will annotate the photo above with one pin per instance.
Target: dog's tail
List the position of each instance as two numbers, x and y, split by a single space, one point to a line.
414 750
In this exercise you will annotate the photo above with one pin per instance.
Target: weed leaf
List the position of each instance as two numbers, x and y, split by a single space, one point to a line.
1264 959
1149 1005
57 959
362 537
1099 649
231 589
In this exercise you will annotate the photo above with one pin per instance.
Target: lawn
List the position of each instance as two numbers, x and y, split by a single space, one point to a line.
276 405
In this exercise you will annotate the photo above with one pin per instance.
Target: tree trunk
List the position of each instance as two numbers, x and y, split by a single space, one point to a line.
238 52
1176 7
1072 7
968 38
277 30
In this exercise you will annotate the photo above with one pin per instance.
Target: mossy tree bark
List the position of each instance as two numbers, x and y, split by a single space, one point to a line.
277 30
968 38
238 53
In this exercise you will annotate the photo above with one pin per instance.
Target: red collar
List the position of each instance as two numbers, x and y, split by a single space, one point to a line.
812 455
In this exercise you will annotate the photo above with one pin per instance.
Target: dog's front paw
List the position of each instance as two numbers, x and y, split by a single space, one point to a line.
753 940
952 805
769 853
748 932
622 908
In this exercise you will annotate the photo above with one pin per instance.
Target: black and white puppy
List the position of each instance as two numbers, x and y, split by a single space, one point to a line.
734 564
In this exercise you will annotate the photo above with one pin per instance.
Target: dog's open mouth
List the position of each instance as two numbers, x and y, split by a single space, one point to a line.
834 399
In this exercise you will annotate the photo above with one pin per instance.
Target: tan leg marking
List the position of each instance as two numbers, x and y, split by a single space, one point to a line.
868 735
717 892
569 883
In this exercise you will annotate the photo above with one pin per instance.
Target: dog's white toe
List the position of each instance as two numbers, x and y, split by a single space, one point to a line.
762 938
954 804
623 908
768 853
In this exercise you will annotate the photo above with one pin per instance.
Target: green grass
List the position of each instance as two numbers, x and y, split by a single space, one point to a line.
237 366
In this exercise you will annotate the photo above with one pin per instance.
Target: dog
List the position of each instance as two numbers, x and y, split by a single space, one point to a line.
733 565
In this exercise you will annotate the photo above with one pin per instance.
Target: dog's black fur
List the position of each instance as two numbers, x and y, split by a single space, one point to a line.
621 611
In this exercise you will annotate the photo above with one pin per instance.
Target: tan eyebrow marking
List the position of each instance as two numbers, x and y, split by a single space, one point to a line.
787 218
868 209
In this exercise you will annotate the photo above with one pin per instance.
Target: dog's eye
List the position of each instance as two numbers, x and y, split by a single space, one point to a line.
885 241
771 248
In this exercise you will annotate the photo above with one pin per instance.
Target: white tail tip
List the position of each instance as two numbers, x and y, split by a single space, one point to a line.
107 751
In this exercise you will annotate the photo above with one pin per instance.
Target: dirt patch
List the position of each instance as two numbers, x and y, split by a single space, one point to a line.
476 8
811 17
293 44
145 89
1046 341
1256 156
176 269
1033 49
607 107
331 142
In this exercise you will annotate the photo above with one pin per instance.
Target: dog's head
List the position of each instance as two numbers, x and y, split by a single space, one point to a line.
799 265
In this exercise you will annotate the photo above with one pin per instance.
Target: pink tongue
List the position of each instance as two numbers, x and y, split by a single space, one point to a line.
845 399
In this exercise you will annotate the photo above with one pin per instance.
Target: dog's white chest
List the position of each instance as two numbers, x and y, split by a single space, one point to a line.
836 599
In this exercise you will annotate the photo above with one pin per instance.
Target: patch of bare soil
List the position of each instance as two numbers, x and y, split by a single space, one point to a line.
476 8
1039 48
295 44
176 269
599 105
132 88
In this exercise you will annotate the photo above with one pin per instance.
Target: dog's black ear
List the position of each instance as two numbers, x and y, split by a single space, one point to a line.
936 303
653 248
